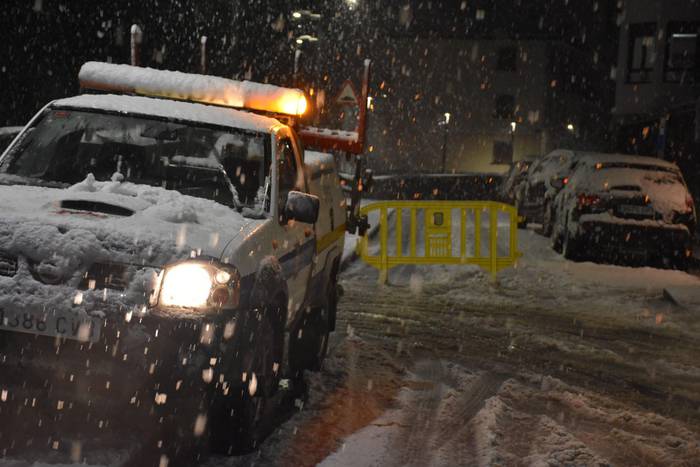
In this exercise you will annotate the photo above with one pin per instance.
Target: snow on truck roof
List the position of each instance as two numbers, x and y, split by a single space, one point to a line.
192 87
171 109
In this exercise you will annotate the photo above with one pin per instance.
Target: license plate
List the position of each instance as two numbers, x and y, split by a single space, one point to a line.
636 210
52 324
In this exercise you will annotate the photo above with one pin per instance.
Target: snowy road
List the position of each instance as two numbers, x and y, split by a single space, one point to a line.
556 363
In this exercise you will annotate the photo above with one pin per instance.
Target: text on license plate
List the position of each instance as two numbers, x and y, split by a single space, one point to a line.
636 210
52 323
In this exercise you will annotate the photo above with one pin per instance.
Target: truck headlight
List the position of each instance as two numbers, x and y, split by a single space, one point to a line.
197 284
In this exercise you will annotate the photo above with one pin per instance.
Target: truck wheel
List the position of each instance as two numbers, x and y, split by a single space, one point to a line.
335 293
309 343
237 422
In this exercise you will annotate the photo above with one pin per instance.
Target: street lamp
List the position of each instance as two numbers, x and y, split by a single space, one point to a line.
444 124
513 126
299 14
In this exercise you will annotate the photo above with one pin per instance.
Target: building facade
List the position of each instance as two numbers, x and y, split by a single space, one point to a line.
475 86
478 105
658 83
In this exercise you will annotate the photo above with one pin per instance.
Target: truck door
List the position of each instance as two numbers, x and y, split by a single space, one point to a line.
296 242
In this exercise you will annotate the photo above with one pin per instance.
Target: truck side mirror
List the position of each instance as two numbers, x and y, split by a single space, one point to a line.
302 207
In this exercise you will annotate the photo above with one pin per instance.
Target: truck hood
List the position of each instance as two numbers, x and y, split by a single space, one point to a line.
57 238
118 221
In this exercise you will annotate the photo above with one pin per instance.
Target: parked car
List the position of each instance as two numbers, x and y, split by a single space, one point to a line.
625 207
513 181
535 203
7 134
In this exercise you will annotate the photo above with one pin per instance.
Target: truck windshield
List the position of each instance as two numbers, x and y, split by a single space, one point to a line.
212 163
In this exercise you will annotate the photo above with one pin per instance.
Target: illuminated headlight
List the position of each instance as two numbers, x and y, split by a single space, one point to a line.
196 284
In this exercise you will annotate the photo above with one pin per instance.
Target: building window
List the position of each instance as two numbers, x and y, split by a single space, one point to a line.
641 52
502 152
507 59
682 53
505 106
480 14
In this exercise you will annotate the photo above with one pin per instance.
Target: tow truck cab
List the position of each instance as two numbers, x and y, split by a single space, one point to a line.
200 286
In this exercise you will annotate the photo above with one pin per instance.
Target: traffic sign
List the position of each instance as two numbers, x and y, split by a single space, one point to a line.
347 95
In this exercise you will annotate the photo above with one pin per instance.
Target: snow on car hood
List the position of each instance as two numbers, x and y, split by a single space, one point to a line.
151 225
60 233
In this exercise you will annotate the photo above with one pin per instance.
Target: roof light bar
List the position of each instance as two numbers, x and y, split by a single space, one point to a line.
192 87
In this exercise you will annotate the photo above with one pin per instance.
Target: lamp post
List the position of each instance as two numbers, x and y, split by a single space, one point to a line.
513 126
445 123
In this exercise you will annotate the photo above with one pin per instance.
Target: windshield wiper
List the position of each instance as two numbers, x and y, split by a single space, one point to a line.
237 205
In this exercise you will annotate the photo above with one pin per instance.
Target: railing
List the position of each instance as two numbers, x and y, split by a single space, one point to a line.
435 243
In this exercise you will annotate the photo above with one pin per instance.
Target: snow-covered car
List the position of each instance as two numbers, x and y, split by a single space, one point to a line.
165 258
7 134
625 207
514 181
538 192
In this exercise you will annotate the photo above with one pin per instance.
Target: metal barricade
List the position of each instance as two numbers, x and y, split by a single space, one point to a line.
432 240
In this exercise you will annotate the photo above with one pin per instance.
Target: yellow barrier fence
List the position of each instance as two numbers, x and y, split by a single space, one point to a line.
431 231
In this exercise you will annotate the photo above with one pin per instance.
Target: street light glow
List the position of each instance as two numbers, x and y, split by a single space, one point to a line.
296 14
351 3
306 37
570 126
447 117
513 125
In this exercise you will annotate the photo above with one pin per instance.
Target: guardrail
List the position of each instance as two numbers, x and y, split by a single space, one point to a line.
431 240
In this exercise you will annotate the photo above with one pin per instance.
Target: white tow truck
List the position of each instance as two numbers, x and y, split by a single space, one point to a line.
172 228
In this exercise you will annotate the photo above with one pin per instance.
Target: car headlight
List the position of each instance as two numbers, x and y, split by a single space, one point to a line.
196 284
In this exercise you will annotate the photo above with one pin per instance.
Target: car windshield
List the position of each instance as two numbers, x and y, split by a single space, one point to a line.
221 164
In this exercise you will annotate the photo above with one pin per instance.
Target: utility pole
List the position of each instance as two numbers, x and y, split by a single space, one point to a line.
136 40
203 55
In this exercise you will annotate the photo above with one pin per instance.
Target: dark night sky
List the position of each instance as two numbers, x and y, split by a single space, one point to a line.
44 42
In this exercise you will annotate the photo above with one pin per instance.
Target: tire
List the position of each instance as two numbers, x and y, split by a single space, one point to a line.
557 240
547 221
236 419
334 298
309 342
570 247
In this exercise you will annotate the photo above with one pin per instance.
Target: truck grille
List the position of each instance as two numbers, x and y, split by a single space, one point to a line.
106 276
8 264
